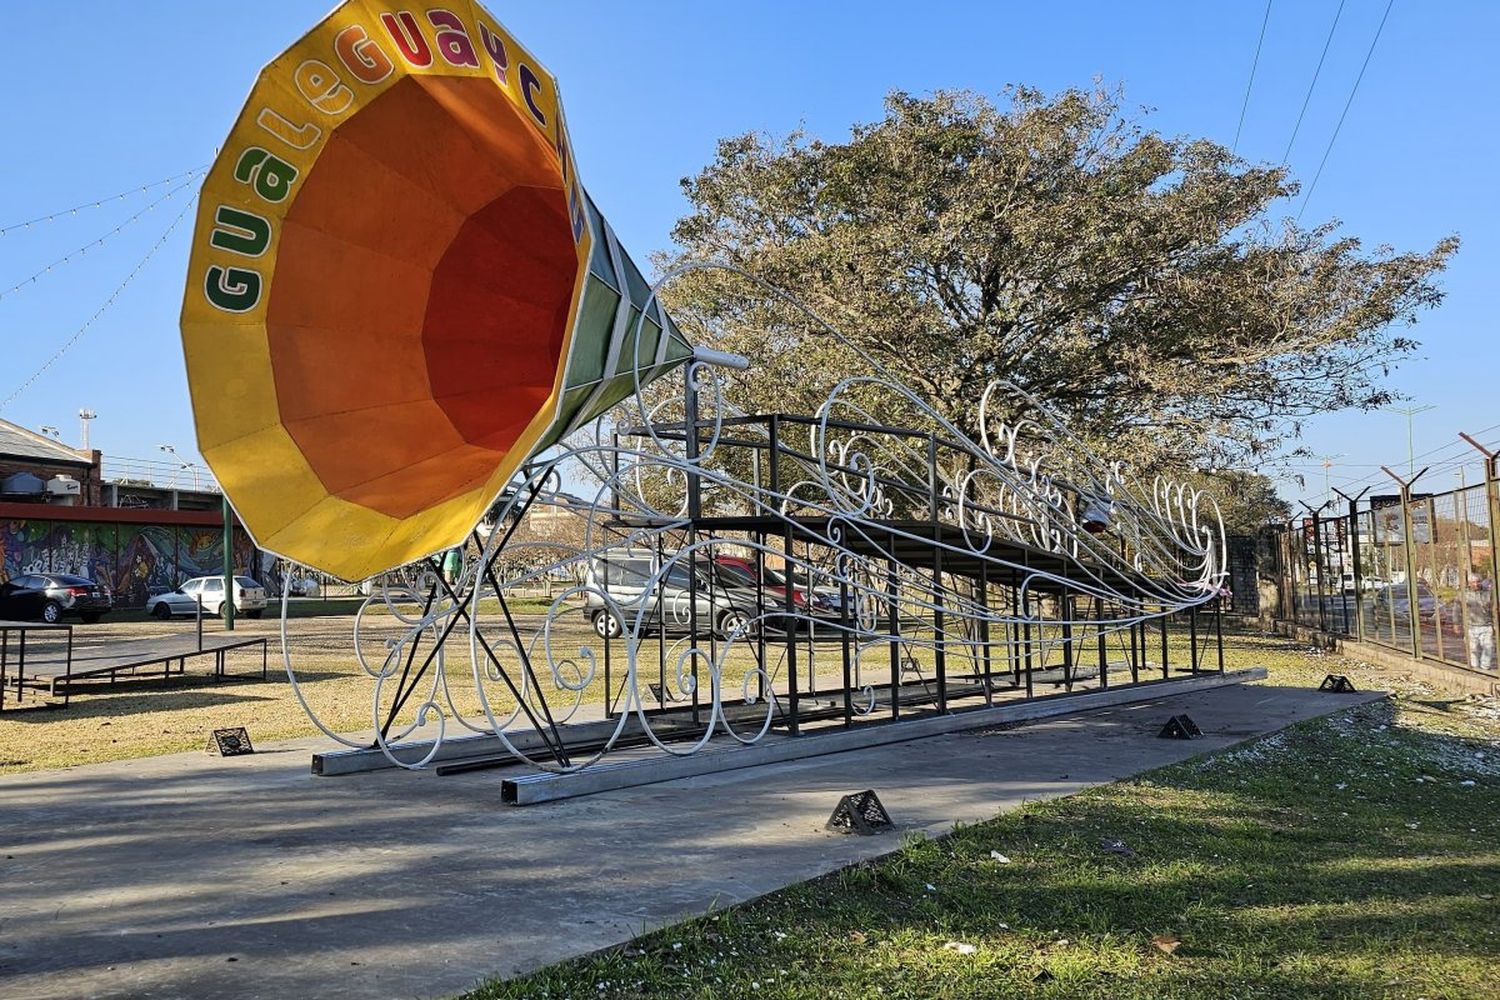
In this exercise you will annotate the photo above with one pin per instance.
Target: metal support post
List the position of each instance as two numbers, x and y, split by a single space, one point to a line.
1103 644
1320 563
1026 637
846 625
1193 639
228 605
1065 603
1166 617
893 618
1413 609
694 512
1356 559
1492 511
984 631
939 634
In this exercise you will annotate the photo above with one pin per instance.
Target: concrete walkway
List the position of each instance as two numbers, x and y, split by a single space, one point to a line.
195 876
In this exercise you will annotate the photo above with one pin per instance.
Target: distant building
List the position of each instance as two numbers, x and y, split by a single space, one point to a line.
138 526
36 469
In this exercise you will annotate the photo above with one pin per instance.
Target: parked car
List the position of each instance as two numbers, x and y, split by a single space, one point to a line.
303 586
51 597
1396 600
724 603
249 598
741 572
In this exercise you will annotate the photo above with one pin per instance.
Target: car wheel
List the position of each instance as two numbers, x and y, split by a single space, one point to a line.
51 612
254 614
730 622
161 612
607 625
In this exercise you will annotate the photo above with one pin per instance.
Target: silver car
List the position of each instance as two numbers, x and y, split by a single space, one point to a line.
249 598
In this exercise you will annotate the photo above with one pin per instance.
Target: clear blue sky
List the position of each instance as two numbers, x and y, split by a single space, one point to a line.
101 97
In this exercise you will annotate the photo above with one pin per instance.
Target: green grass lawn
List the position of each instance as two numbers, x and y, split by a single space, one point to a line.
1356 856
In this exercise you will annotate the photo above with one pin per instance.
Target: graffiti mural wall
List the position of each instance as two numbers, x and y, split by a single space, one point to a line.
135 560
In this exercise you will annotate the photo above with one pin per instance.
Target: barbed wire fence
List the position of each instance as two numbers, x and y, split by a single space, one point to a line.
1397 565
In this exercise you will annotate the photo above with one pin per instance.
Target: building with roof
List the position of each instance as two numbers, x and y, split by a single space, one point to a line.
35 468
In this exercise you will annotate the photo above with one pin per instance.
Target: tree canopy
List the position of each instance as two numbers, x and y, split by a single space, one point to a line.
1136 282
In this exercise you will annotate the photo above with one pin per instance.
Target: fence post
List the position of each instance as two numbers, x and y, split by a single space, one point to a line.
1492 508
1432 565
1290 557
1356 565
1413 609
1320 562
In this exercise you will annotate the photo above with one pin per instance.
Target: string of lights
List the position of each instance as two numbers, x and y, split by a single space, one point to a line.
78 334
99 241
101 202
1439 460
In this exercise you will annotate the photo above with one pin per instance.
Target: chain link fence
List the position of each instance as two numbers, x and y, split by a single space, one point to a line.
1412 571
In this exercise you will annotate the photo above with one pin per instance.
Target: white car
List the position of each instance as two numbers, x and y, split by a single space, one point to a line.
249 598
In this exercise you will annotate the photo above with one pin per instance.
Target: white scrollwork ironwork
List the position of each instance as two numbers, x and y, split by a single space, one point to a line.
1027 543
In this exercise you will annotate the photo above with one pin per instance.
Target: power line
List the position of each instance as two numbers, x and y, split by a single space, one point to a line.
78 334
1308 98
92 244
1251 83
1439 465
100 202
1353 90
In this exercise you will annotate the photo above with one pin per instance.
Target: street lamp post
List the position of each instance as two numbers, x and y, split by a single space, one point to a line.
171 450
1410 413
84 416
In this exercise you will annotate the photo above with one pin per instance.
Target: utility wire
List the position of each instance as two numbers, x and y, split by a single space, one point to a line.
78 334
1251 83
1354 90
70 255
1436 467
1441 465
1308 99
100 202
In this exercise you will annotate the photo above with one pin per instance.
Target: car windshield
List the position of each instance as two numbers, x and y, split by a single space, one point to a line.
773 578
71 581
624 572
733 575
245 581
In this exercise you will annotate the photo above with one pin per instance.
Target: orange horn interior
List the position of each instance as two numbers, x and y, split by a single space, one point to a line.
424 279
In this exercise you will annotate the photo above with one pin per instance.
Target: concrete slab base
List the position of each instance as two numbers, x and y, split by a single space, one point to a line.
606 776
144 878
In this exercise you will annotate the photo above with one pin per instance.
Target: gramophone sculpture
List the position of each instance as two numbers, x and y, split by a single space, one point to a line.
399 290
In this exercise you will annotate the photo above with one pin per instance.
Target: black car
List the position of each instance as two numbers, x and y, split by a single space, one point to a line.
52 596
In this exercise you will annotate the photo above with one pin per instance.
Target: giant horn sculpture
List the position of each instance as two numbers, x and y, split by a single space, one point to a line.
398 289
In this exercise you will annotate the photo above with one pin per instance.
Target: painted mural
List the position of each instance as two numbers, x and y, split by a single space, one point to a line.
135 560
